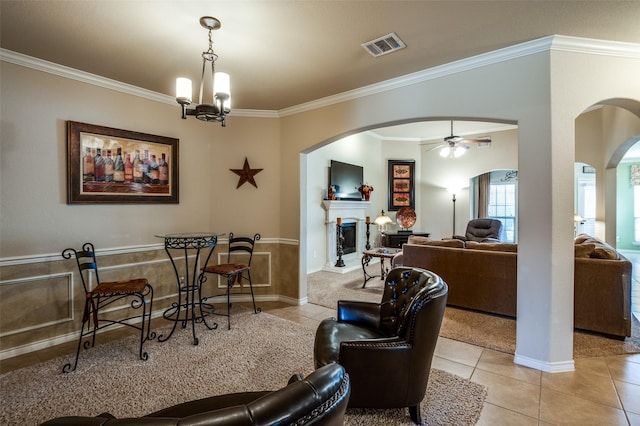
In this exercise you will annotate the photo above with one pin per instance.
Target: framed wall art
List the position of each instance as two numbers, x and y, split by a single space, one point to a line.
107 165
401 184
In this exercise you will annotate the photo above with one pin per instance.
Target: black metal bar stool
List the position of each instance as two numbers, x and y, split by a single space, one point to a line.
137 292
234 272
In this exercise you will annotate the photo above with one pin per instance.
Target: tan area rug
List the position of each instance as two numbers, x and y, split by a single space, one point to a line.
259 352
489 331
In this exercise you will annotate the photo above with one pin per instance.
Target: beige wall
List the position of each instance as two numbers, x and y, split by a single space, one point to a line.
37 223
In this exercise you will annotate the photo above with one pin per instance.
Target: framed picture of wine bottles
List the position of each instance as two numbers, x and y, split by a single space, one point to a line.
107 165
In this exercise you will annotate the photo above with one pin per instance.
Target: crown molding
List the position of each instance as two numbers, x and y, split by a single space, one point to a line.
595 47
548 43
107 83
552 42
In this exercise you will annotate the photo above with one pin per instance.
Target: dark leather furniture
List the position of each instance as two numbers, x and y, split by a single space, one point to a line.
482 230
319 399
387 347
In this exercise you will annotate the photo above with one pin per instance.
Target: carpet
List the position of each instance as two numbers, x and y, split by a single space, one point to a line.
485 330
259 352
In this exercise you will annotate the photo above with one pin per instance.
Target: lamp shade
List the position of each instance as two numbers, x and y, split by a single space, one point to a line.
183 90
383 219
222 85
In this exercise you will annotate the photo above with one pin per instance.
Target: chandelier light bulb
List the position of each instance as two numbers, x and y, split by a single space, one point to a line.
183 90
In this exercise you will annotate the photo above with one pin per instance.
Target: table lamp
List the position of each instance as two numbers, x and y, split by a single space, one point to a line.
382 221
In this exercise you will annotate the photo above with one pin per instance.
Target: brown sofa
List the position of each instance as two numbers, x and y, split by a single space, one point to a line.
482 276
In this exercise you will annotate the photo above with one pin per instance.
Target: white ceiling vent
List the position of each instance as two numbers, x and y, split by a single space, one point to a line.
383 45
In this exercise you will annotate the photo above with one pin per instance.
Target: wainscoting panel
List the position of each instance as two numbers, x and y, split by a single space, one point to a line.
41 296
34 302
260 268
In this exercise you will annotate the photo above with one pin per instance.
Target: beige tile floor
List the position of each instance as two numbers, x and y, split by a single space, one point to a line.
601 391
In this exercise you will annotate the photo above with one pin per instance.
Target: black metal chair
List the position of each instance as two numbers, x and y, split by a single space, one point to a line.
137 292
234 272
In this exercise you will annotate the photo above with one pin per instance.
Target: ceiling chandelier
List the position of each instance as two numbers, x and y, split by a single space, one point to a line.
220 85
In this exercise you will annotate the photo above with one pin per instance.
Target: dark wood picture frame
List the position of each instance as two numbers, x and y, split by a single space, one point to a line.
145 182
401 184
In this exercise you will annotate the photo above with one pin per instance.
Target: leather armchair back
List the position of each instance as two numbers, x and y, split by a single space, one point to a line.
402 298
387 347
482 229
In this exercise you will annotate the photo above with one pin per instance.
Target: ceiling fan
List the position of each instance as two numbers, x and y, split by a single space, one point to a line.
455 146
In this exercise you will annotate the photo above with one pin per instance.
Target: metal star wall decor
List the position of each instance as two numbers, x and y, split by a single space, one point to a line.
246 174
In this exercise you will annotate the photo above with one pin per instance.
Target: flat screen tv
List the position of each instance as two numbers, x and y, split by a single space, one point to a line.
346 178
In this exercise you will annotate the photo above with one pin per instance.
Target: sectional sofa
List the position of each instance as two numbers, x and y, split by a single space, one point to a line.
483 277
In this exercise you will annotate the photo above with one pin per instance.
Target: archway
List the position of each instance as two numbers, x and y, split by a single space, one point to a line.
373 151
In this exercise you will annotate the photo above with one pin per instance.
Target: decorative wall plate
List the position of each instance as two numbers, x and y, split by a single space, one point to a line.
406 217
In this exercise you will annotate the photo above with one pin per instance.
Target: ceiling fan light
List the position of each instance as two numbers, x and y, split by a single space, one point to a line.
444 152
459 151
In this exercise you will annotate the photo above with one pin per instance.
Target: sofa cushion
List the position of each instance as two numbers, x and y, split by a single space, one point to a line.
584 250
508 247
424 241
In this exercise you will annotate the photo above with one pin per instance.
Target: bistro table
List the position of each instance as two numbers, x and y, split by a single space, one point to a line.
382 253
190 306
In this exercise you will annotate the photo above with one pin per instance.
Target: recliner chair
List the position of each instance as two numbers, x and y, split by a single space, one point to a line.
319 399
482 230
387 347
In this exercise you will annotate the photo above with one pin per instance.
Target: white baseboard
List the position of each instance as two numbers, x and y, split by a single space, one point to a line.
549 367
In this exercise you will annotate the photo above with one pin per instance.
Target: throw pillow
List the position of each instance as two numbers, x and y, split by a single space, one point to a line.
604 251
582 238
424 241
584 250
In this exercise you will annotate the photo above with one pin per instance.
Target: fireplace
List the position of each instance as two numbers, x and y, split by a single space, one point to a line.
349 235
352 214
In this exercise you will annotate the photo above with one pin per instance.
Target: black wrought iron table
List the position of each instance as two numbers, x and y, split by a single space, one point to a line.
382 253
190 307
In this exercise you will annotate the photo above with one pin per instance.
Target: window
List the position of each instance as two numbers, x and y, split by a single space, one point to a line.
636 214
586 206
502 206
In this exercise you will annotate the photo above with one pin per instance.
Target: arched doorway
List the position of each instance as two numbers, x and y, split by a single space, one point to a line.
374 147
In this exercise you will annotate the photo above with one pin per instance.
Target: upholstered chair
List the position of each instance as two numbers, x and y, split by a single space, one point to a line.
387 347
482 230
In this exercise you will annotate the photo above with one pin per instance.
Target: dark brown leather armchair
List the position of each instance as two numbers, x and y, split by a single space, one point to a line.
319 399
387 347
482 230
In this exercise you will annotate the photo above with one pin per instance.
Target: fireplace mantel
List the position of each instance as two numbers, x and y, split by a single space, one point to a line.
348 211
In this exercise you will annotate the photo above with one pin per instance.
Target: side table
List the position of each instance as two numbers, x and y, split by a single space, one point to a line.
396 240
188 308
382 253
